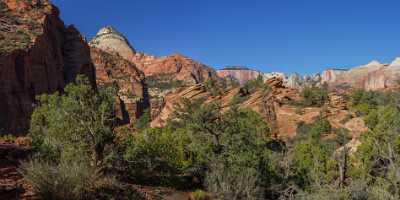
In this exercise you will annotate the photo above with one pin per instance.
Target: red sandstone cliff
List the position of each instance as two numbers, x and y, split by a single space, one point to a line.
175 67
38 54
133 96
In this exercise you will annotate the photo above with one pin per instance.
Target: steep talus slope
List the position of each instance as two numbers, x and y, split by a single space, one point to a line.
38 54
133 97
263 102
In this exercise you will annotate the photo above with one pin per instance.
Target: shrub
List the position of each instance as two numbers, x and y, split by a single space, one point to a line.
253 85
163 82
157 151
144 121
230 182
60 181
199 195
314 96
81 119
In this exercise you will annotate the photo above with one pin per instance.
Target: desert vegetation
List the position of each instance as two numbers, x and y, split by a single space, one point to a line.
215 153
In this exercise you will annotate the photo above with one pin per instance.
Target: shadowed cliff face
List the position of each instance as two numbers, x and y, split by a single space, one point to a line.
133 96
38 55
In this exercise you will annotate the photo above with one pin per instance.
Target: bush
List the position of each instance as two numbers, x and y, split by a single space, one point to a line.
199 195
81 120
256 84
163 82
314 96
60 181
156 151
230 182
144 121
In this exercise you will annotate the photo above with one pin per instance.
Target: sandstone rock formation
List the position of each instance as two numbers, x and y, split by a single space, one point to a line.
179 67
173 67
263 102
372 76
133 96
108 39
38 54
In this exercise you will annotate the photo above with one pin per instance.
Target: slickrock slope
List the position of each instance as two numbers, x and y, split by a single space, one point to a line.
372 76
133 96
273 105
38 54
263 102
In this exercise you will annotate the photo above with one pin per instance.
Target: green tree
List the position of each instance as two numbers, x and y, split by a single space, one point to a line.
314 96
78 122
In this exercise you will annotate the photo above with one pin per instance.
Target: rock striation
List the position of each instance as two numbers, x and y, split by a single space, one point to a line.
372 76
173 67
38 54
241 74
133 96
110 40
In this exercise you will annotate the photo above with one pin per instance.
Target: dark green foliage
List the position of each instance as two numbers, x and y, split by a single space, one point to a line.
256 84
144 121
80 121
163 82
362 102
156 151
314 96
219 86
313 131
230 145
73 135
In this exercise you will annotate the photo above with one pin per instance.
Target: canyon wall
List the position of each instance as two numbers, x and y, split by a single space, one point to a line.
38 54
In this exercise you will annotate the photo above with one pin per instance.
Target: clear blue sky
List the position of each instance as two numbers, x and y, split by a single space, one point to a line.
302 36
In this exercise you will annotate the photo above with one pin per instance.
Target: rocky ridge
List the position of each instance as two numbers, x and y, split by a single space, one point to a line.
174 67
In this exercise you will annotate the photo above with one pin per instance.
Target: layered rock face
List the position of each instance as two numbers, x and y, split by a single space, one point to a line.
38 54
179 67
372 76
175 67
108 39
265 103
133 96
242 75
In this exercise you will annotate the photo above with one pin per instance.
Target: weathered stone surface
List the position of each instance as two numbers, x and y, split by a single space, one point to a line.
43 57
176 66
372 76
242 75
110 40
133 96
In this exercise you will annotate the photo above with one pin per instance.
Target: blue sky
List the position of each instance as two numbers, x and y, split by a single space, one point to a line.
304 36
